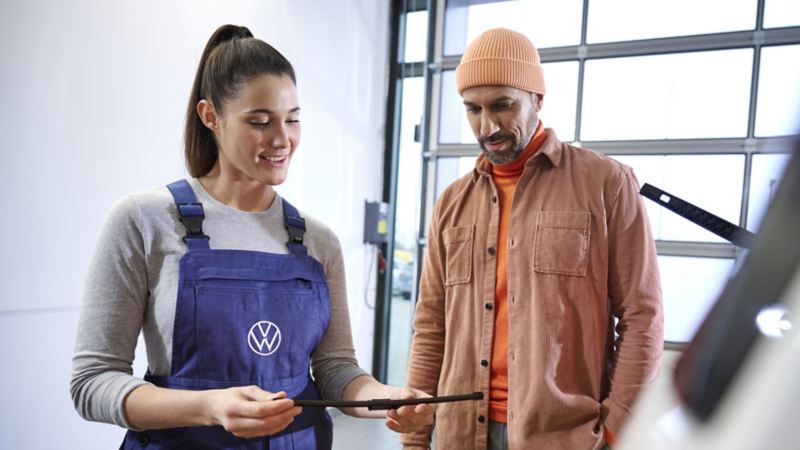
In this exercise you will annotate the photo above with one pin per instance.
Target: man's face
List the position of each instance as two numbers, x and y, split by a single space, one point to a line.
503 120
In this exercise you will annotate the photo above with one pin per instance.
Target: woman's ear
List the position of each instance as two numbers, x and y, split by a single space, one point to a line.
208 115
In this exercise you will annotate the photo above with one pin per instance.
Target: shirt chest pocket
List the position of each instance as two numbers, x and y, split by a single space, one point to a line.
458 249
561 245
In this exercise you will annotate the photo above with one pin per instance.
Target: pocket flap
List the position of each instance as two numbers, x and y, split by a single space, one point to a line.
457 234
573 220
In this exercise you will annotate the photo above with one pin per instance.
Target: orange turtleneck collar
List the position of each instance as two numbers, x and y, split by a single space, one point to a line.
514 169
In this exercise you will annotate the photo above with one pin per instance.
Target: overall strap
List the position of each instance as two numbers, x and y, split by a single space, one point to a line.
296 226
190 213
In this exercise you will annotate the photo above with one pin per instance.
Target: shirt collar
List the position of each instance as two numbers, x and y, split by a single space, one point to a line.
550 149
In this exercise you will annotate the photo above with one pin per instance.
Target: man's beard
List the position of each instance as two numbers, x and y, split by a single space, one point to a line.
503 156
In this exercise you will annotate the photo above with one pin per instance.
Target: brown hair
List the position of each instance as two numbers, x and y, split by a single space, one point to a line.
231 59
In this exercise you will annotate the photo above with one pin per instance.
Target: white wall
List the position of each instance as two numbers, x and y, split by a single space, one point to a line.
93 96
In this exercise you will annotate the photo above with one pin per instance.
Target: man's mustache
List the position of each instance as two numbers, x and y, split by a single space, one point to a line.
498 136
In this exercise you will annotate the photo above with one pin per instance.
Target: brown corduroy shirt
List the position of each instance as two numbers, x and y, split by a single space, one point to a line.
580 254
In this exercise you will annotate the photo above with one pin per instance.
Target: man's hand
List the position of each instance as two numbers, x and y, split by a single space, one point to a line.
410 418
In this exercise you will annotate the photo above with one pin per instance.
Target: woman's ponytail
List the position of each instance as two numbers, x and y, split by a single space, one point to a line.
200 148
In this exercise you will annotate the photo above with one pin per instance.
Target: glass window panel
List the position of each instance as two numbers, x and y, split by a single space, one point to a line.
558 109
561 98
405 230
450 169
409 163
546 23
399 338
611 20
711 182
416 36
765 174
674 96
690 287
778 104
781 13
453 126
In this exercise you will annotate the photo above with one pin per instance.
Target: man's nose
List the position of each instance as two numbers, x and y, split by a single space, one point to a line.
488 125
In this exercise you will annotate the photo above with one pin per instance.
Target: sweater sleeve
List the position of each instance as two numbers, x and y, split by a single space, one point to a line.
111 314
635 292
333 362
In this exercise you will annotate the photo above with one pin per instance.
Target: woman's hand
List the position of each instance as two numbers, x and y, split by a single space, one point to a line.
410 418
249 411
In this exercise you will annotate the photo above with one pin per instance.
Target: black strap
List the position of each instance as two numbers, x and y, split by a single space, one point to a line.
296 227
190 213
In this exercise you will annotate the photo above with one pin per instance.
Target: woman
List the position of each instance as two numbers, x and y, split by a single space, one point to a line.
236 293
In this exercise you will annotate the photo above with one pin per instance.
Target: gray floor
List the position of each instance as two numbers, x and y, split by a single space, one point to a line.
364 434
367 434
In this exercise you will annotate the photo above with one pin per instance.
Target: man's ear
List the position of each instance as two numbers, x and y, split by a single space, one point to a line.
208 115
539 100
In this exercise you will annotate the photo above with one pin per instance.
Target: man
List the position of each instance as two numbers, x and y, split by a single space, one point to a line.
531 259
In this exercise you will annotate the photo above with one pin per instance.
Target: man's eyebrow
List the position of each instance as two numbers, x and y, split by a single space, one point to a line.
504 98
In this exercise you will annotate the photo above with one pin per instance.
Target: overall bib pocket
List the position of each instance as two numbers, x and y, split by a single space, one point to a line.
250 334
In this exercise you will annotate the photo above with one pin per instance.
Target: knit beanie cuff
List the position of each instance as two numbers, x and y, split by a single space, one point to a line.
500 72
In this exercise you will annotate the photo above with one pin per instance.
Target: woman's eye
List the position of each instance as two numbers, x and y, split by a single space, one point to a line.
293 121
259 124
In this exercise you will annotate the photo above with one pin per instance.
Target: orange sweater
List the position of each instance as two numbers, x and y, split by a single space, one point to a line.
505 178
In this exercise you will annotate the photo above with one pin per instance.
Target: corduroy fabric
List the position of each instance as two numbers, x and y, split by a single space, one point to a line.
579 251
501 57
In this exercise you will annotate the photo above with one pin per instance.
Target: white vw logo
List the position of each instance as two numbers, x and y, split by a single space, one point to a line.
264 338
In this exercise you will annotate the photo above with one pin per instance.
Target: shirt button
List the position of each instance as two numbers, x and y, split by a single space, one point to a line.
144 439
513 356
491 250
494 199
481 419
484 363
512 242
513 299
488 306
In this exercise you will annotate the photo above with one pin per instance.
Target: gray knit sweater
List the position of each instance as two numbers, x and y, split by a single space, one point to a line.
132 282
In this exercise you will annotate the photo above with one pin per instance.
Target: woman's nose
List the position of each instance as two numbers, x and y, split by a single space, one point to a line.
280 136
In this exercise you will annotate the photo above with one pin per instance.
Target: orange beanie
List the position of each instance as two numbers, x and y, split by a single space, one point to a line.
501 57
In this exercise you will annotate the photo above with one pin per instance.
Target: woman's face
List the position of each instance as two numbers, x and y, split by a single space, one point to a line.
259 131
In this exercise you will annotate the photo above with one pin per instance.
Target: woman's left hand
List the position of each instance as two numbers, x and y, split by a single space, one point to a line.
410 418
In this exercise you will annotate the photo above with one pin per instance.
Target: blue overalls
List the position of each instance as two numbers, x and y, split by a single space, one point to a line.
244 318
